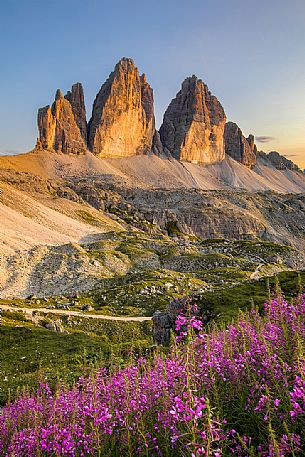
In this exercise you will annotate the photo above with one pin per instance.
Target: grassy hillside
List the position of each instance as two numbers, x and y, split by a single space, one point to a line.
234 391
29 352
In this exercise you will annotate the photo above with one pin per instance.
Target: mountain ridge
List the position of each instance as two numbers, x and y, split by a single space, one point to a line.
122 124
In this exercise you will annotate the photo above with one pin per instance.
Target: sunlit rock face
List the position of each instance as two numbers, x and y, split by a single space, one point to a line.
238 147
58 126
193 124
122 122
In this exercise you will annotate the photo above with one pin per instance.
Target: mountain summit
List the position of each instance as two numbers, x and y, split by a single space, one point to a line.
122 124
193 124
62 126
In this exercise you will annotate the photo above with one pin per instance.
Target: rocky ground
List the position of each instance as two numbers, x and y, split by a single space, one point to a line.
135 272
80 225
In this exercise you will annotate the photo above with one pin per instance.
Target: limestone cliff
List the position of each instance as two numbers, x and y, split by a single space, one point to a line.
252 145
76 98
58 127
193 124
122 122
238 147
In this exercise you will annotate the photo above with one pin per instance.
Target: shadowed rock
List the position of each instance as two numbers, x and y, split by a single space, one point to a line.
76 98
238 147
281 162
193 124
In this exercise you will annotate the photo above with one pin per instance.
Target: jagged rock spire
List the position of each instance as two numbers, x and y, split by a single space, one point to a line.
193 124
238 147
61 126
77 100
122 122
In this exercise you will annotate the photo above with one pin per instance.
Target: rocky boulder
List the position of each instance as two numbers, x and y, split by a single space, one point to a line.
122 122
58 126
238 147
193 124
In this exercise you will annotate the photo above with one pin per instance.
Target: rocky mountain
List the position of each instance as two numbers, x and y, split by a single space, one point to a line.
69 224
193 124
279 161
122 122
238 146
61 127
77 101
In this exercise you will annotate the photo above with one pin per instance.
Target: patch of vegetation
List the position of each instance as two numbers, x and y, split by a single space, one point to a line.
14 316
227 302
218 277
87 217
139 293
173 229
28 352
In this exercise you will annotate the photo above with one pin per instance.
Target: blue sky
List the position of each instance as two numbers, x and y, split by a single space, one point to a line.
249 52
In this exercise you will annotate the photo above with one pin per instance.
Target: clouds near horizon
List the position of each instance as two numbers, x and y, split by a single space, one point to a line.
264 139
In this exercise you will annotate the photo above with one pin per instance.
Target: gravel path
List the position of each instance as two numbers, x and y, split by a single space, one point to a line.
65 312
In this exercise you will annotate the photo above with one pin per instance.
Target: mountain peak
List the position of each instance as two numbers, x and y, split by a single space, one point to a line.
238 146
122 122
193 124
58 94
59 128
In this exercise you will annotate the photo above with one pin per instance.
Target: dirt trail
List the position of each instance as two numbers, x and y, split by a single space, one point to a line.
65 312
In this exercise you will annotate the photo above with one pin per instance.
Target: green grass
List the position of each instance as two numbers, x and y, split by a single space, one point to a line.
87 217
225 303
29 352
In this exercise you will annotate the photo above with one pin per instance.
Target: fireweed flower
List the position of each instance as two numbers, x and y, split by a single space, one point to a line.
237 391
181 321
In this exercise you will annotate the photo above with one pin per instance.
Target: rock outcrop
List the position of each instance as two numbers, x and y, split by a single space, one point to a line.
280 162
58 125
122 122
238 147
252 144
76 98
193 124
157 147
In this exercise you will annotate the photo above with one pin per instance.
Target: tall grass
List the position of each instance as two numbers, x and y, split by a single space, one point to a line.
238 390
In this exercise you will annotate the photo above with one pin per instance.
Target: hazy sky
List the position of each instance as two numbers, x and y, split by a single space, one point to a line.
251 53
